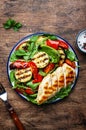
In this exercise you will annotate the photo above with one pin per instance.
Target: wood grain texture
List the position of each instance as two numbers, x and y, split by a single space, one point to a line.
65 18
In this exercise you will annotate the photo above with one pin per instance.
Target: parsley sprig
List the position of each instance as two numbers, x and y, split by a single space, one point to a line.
10 23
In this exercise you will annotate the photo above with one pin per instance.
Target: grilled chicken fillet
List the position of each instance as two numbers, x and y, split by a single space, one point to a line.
69 74
52 83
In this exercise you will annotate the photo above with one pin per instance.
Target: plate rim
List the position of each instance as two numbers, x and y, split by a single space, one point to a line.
40 33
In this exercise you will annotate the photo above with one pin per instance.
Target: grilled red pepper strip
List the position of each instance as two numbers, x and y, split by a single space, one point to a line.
49 67
52 43
38 78
33 68
71 63
56 43
22 91
63 44
29 91
19 65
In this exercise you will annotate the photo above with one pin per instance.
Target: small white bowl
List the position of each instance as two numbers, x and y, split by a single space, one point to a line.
81 41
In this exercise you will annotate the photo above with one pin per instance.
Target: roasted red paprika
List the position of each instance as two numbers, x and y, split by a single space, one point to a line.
63 44
57 43
38 78
29 91
52 43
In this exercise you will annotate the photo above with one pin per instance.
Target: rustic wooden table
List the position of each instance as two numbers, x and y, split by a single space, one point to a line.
65 18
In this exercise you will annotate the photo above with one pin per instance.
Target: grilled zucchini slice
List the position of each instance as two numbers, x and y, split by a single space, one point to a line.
41 59
23 75
62 56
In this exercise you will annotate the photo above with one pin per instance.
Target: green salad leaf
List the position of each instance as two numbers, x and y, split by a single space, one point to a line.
19 85
31 98
54 54
70 55
41 72
12 76
32 85
50 36
13 57
33 38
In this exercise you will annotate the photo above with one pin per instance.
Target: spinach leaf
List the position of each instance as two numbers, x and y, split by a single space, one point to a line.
19 85
33 39
53 54
33 48
13 57
31 98
70 55
50 36
12 76
32 85
20 53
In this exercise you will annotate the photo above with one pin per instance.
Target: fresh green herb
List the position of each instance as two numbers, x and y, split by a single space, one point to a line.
10 23
33 85
17 26
70 55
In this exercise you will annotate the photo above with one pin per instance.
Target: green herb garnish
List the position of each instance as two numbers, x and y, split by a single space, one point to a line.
10 23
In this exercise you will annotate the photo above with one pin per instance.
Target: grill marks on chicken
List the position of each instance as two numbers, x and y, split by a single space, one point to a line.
69 74
52 83
23 75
